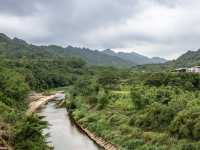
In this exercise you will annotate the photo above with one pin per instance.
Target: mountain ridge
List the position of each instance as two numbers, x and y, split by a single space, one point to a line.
135 57
18 48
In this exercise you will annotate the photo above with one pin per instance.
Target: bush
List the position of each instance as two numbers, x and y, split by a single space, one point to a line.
186 124
85 87
152 147
188 81
155 116
187 146
108 79
78 114
164 95
100 127
103 99
138 98
132 144
13 87
28 134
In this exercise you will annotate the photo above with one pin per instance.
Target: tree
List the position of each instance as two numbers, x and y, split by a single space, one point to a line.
186 124
108 79
139 101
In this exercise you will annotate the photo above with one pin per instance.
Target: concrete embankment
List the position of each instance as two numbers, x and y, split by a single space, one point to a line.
98 140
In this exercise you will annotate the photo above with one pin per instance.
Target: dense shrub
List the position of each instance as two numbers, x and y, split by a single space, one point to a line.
155 116
188 81
138 98
13 88
103 99
161 113
108 79
187 124
164 95
187 146
85 87
132 144
28 134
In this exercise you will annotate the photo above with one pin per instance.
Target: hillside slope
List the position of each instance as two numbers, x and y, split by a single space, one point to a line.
17 48
135 57
92 57
190 58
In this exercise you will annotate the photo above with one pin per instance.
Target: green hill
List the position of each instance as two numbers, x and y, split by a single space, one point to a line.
190 58
17 48
135 57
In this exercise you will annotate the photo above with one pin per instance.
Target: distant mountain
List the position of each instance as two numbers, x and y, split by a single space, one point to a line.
157 60
19 41
135 57
17 48
93 57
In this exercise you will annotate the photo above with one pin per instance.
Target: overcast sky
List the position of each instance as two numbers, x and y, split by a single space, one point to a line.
165 28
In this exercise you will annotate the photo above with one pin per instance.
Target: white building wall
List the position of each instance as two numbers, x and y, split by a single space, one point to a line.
194 69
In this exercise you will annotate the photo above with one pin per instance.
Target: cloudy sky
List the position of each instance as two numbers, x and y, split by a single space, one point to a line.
165 28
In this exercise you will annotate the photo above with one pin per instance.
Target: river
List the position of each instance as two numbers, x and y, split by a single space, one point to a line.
63 134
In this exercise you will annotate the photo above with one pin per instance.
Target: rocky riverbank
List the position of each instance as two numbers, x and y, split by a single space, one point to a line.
37 100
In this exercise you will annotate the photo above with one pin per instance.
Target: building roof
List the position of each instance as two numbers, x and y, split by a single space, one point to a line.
181 69
196 67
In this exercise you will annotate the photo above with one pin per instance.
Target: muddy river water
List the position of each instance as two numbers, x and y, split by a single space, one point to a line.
63 134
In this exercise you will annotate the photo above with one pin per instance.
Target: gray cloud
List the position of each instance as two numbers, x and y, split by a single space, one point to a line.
152 27
20 8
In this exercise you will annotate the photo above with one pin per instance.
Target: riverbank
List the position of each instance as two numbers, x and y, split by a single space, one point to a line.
98 140
37 100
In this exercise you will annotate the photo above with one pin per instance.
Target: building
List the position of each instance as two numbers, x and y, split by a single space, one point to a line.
195 69
181 70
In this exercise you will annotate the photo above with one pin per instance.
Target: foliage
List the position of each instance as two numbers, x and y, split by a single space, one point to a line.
13 89
18 49
186 124
133 110
144 112
155 116
108 79
28 134
138 99
188 81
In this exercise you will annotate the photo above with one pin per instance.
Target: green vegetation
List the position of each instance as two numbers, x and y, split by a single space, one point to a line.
22 132
135 58
16 48
156 111
24 68
190 58
17 78
127 107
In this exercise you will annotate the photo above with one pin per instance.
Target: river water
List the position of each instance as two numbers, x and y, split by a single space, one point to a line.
62 132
